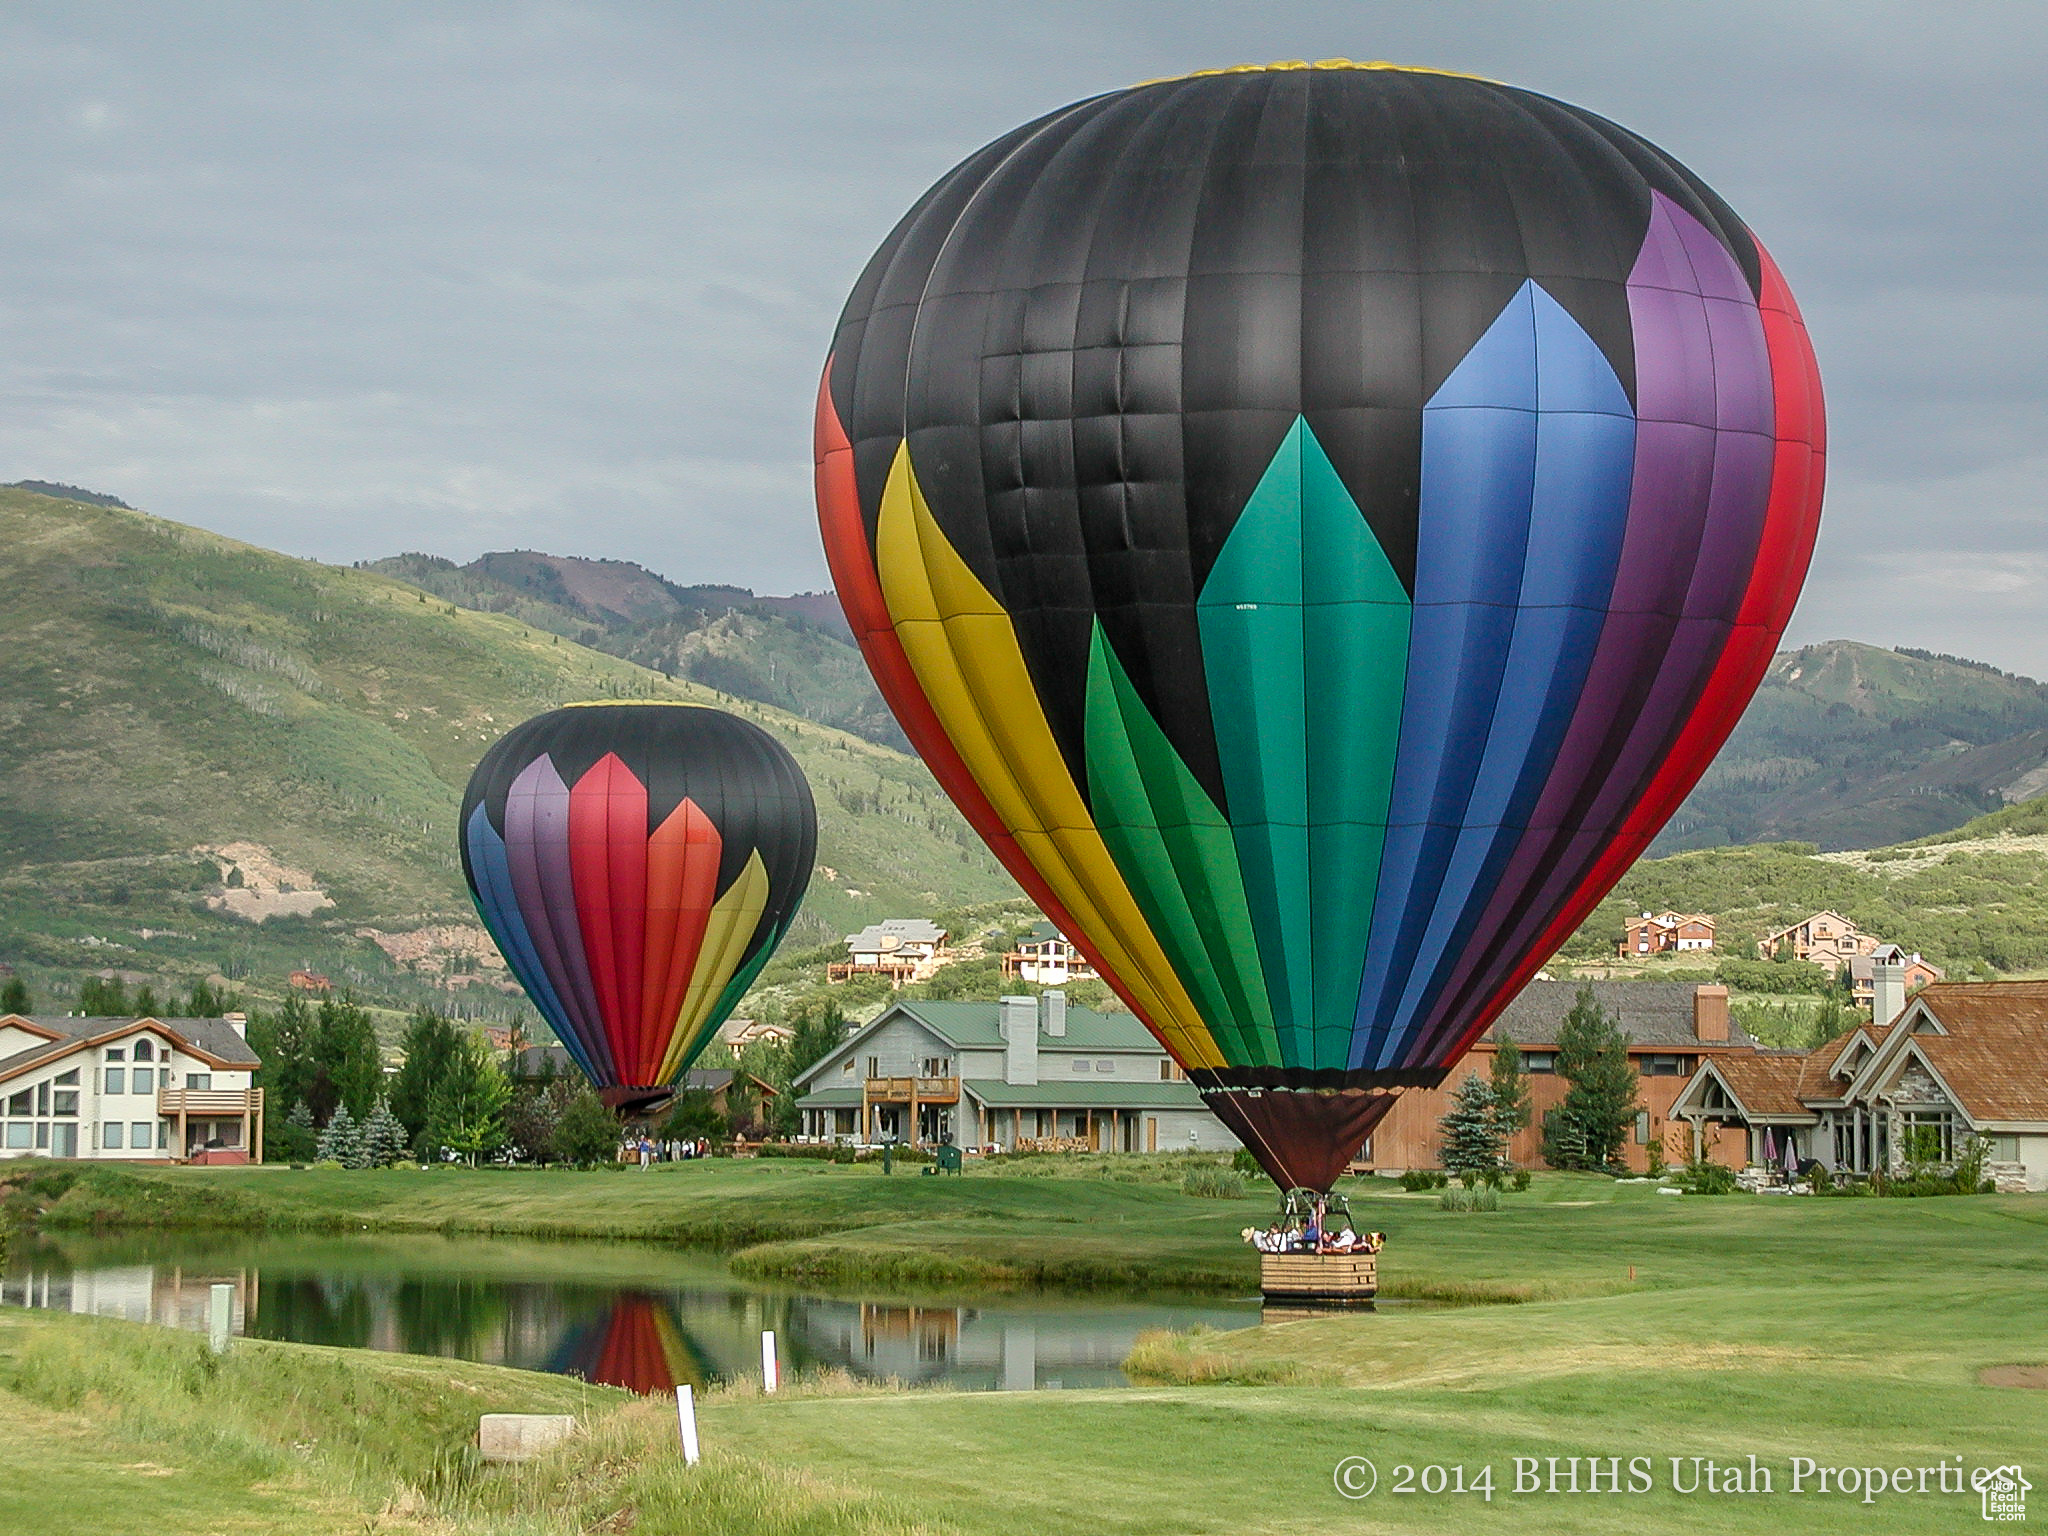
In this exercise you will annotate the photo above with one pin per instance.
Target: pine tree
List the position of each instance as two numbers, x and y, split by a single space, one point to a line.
342 1141
1471 1135
384 1139
431 1041
1588 1128
1510 1086
467 1111
145 1003
14 997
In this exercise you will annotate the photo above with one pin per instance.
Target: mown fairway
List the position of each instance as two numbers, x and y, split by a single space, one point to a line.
1848 1331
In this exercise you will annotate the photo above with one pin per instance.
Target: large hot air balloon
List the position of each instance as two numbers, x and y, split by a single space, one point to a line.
1318 522
637 864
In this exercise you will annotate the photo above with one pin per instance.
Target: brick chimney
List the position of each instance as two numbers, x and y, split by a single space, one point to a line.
1710 1013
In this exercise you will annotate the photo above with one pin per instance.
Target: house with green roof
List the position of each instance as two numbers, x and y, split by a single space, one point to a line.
1018 1074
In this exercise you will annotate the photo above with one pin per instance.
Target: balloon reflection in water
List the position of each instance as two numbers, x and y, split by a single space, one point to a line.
637 1343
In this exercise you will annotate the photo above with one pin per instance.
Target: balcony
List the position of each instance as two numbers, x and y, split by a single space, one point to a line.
901 1090
209 1102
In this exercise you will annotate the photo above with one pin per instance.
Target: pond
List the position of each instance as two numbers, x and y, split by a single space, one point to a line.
628 1315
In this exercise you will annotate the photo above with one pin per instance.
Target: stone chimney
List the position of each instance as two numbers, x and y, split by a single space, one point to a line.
1052 1014
1887 992
1710 1013
238 1022
1018 1018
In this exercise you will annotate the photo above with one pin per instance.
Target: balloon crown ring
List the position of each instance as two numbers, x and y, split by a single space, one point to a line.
1281 64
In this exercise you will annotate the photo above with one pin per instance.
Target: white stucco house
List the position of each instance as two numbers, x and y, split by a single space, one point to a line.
129 1090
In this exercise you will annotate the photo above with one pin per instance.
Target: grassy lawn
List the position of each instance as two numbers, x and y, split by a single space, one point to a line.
1848 1331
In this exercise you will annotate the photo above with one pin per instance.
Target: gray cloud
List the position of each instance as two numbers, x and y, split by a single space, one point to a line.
350 279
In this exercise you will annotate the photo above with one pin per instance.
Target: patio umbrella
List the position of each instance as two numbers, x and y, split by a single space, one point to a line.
1770 1145
1791 1157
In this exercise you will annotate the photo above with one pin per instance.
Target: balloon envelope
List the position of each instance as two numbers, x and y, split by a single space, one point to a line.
637 864
1318 523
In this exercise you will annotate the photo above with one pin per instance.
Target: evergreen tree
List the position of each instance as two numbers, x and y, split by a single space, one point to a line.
103 997
1510 1086
818 1030
206 1002
1587 1130
291 1139
283 1042
536 1112
1471 1134
145 1003
694 1117
466 1114
342 1141
14 997
384 1139
348 1068
430 1044
588 1132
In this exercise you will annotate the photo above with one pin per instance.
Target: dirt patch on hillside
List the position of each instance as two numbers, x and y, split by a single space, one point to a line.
255 885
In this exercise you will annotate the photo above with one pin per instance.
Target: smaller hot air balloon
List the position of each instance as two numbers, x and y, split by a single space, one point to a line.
637 864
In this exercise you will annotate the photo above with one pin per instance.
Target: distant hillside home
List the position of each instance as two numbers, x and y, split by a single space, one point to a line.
1960 1060
1025 1073
1671 1027
1919 973
735 1035
1661 933
310 981
132 1090
1048 957
1826 938
904 949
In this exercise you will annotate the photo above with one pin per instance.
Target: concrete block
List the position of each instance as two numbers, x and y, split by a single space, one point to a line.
521 1436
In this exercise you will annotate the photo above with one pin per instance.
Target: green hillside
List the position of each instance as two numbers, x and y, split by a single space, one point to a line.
165 691
1973 899
1854 746
795 653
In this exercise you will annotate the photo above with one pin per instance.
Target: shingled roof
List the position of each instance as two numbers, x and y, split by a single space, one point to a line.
216 1038
1765 1084
1995 1054
1657 1015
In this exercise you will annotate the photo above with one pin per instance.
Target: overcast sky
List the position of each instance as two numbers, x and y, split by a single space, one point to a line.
352 279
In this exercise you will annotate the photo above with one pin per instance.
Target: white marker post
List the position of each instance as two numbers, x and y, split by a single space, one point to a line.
771 1372
686 1421
220 1316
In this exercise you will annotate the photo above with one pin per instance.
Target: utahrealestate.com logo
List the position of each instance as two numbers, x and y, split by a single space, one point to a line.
2004 1491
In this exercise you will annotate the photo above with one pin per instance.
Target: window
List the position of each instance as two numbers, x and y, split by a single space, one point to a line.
143 1080
140 1136
18 1134
67 1101
874 1066
110 1136
144 1051
1170 1072
1660 1066
203 1081
42 1135
1108 1065
42 1098
2004 1149
1539 1061
66 1079
938 1066
117 1080
845 1070
22 1103
1080 1064
117 1053
1642 1127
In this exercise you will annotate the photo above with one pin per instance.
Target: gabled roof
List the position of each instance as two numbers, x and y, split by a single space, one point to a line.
212 1040
978 1026
1655 1015
1826 1072
1764 1085
1993 1051
894 932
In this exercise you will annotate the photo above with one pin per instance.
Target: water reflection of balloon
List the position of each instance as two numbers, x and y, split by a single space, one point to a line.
635 1343
637 864
1318 524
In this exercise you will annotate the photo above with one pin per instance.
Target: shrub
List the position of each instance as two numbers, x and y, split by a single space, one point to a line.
1416 1180
820 1152
1214 1184
1521 1180
1482 1199
1704 1177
